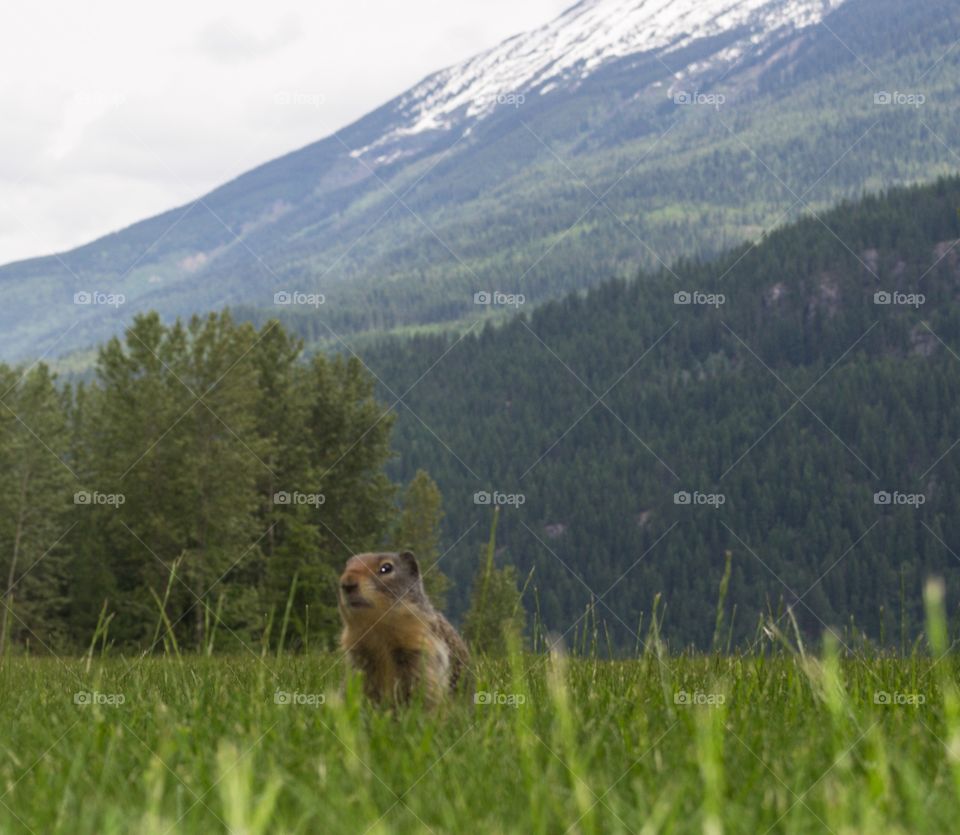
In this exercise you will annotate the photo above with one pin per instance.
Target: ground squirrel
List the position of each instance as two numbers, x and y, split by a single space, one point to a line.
394 635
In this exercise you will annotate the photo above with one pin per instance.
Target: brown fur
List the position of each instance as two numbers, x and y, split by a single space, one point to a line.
392 633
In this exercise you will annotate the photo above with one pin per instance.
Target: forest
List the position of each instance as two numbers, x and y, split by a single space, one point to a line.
826 382
207 478
212 475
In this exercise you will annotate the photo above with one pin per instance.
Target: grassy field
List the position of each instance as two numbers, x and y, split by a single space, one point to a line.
778 740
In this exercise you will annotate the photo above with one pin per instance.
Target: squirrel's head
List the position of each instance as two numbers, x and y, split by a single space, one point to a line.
372 584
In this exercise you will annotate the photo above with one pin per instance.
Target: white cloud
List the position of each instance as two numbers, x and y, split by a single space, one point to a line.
224 40
115 111
83 109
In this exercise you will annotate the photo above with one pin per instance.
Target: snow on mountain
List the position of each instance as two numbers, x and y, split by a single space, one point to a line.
579 41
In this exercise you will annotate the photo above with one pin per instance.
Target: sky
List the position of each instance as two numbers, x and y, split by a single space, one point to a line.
113 110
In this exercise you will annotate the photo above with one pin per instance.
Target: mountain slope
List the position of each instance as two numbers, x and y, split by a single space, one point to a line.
583 39
786 408
623 132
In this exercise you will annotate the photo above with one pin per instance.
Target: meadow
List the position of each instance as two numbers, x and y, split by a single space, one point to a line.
774 739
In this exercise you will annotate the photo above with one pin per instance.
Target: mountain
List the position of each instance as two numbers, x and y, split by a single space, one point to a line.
796 403
620 133
573 47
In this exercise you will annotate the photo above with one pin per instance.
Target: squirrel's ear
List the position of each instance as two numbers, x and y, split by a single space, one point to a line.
410 561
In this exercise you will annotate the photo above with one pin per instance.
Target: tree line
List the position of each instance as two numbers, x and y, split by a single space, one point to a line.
205 482
211 474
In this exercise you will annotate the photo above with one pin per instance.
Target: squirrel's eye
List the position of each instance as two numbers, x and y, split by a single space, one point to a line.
386 568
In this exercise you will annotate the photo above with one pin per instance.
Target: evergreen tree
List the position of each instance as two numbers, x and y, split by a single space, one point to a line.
418 530
34 509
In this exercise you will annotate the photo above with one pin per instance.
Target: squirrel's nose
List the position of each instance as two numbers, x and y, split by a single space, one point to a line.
348 586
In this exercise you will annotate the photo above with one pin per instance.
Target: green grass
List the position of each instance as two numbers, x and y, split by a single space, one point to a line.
200 745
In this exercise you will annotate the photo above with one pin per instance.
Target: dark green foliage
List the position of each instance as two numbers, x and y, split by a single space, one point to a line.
702 399
34 510
206 445
418 530
691 398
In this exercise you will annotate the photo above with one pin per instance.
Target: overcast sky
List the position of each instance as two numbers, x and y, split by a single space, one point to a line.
113 110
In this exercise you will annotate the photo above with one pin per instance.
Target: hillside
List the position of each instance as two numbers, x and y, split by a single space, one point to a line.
555 160
813 423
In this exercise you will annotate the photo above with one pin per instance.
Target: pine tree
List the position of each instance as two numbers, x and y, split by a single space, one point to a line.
34 507
418 530
335 450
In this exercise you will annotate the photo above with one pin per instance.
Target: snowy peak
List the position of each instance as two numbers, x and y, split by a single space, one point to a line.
577 43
